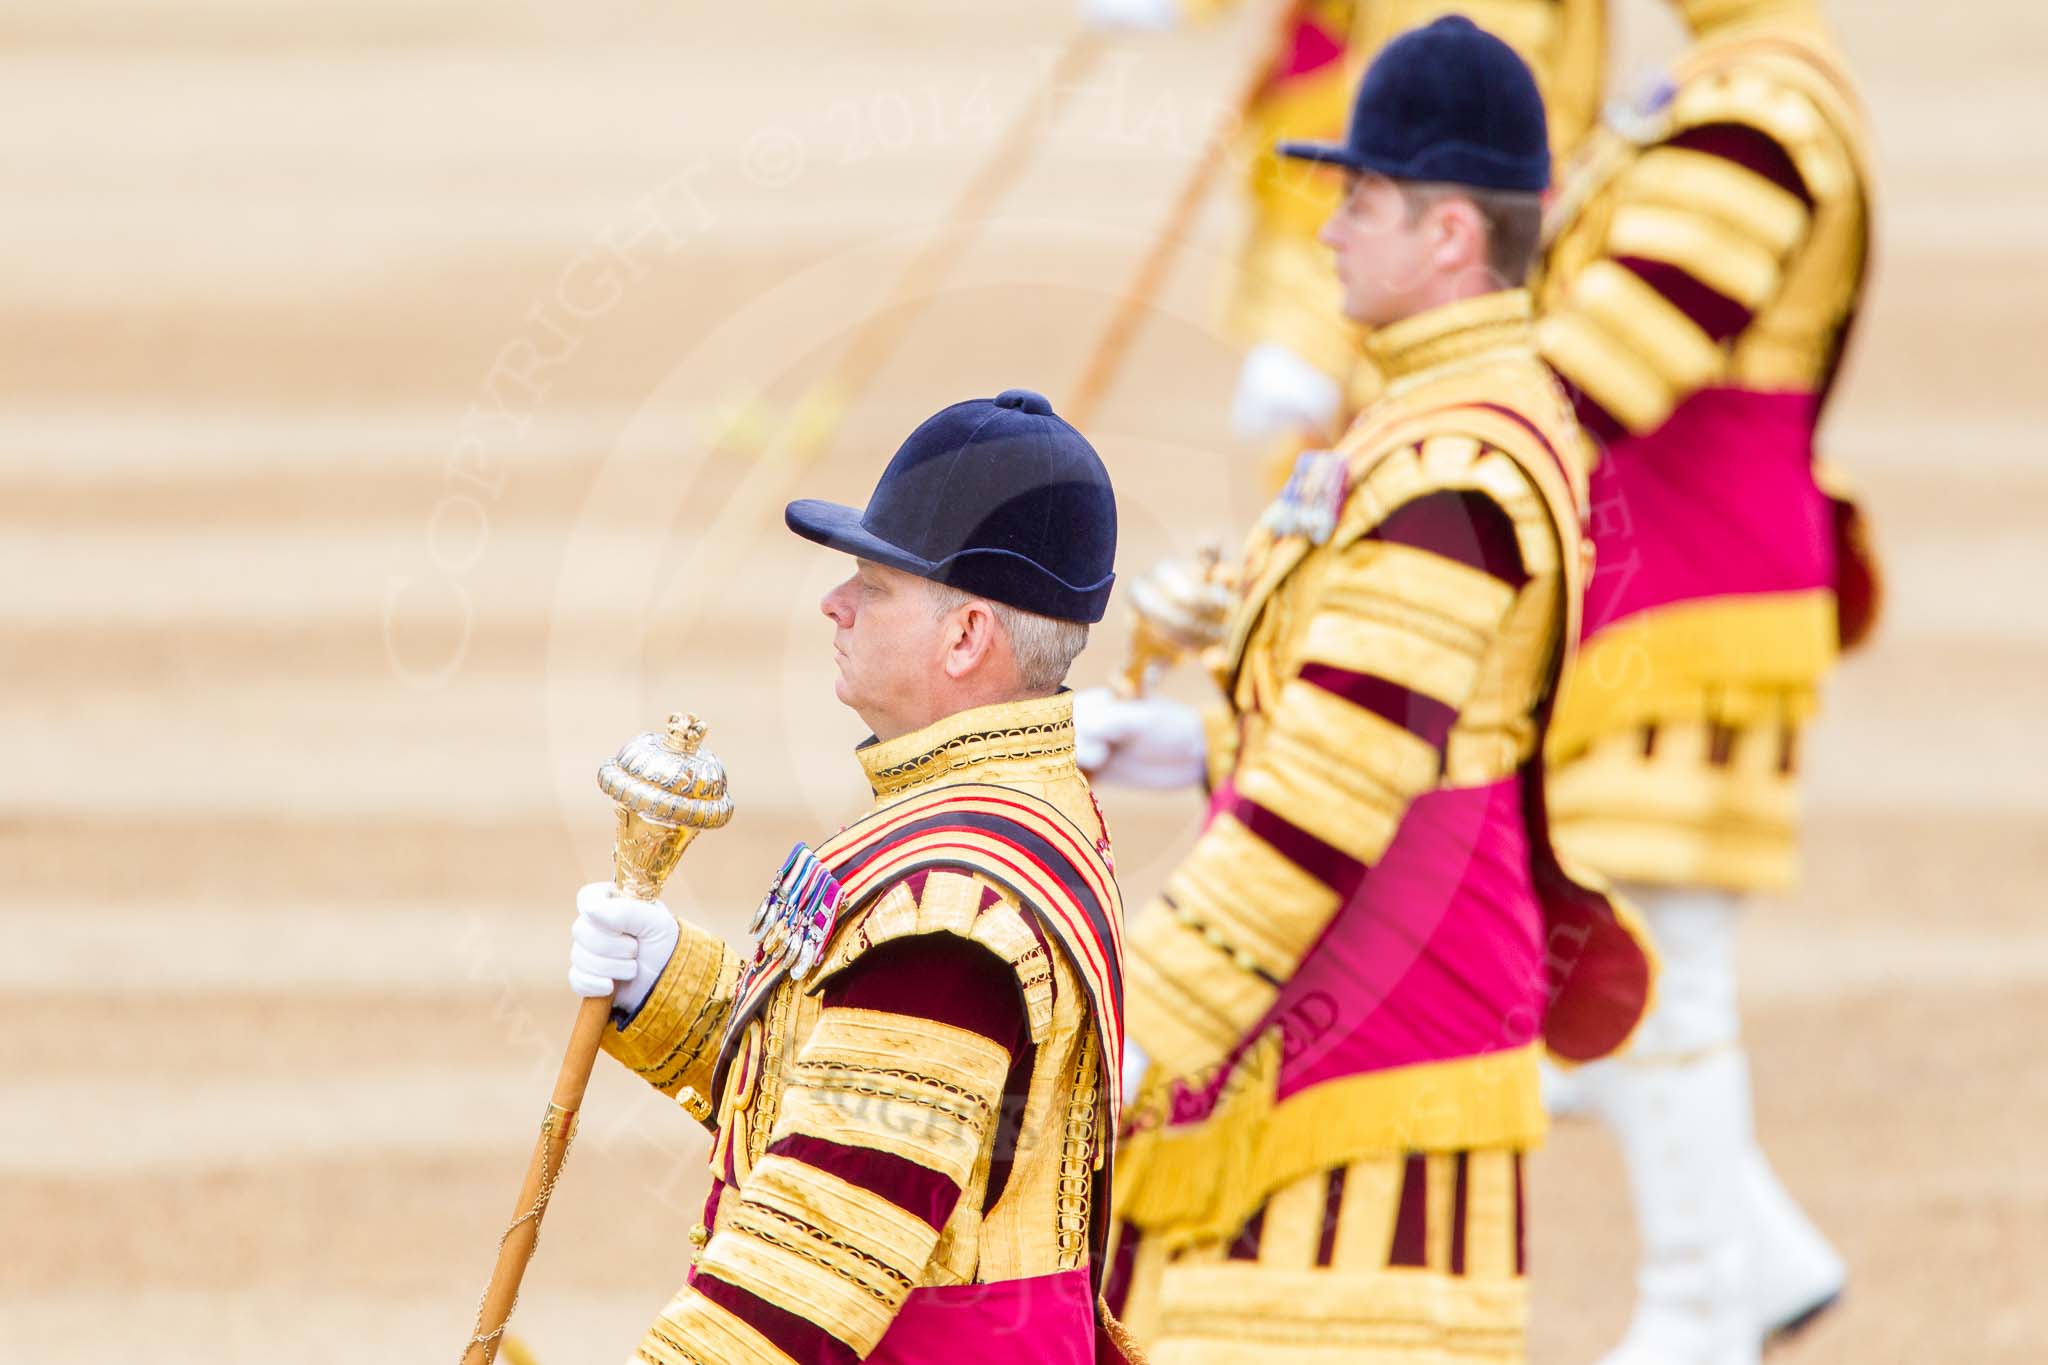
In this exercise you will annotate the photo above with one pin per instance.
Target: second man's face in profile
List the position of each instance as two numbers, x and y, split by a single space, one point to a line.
1383 249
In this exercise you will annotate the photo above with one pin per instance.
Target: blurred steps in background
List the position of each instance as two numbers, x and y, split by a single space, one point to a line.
358 374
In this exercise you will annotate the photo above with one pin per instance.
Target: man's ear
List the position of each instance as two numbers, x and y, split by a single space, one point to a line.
971 637
1461 233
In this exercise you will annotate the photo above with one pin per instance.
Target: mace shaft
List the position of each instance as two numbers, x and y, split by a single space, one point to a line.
550 1149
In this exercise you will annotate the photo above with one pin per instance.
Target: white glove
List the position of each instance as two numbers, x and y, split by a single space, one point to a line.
1135 1062
1279 392
1149 15
619 946
1149 742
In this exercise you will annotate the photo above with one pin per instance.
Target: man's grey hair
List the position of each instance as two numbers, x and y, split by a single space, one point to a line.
1045 647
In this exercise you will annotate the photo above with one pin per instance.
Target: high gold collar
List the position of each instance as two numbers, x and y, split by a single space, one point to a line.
1452 333
1009 739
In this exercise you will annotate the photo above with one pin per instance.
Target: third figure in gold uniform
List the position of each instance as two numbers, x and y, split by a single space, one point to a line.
1707 259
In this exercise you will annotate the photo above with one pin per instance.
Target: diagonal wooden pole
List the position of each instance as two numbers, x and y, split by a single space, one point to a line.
1113 344
815 418
804 438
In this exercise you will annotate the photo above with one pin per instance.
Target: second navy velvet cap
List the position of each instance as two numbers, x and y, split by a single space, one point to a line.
1447 102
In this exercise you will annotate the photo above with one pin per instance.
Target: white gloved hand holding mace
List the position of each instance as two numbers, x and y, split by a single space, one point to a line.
618 946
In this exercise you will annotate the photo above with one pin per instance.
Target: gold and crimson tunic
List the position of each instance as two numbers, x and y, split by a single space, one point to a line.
1706 260
910 1142
1343 989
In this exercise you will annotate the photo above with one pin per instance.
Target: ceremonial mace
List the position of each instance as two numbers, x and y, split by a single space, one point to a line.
1177 609
667 788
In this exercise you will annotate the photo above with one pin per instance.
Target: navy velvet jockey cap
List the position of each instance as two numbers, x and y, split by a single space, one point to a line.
995 496
1446 102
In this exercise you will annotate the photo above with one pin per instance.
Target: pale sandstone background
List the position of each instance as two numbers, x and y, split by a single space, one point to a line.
355 501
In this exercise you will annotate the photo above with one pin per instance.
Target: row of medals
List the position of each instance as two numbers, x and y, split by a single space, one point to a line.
795 917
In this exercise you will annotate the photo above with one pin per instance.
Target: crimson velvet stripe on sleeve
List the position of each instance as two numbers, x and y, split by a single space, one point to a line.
940 977
1750 148
797 1338
1331 866
1713 312
947 979
1428 719
1466 528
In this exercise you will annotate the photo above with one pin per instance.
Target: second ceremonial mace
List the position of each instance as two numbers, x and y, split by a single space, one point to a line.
667 787
1177 609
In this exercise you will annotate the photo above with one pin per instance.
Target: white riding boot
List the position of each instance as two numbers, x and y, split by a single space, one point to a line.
1567 1091
1678 1102
1683 1128
1794 1275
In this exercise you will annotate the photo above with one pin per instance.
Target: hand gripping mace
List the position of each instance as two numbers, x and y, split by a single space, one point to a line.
666 788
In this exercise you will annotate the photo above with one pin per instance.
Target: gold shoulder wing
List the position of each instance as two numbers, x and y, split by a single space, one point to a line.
1461 463
949 901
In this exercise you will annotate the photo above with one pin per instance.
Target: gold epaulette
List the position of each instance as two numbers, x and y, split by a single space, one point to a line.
958 903
1457 464
1785 96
